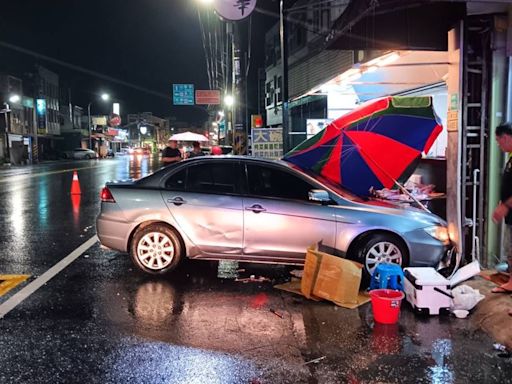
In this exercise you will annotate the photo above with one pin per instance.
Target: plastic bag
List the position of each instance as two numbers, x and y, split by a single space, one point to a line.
465 297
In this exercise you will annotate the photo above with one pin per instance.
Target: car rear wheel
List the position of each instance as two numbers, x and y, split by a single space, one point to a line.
381 248
156 249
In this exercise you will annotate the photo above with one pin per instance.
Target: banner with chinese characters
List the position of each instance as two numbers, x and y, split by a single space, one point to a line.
267 143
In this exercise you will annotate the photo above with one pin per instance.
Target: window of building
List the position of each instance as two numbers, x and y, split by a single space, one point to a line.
280 89
269 94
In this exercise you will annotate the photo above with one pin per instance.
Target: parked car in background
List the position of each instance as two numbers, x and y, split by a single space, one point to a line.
256 210
144 151
80 154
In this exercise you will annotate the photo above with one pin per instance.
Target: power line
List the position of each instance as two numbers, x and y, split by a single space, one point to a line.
88 71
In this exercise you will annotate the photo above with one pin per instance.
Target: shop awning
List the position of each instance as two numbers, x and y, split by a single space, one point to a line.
395 25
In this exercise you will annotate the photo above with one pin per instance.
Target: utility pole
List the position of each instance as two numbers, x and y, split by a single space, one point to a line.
283 31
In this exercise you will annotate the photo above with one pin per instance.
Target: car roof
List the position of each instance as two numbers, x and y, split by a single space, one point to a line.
153 180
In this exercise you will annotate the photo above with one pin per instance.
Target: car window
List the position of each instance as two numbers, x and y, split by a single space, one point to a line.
271 182
213 178
176 182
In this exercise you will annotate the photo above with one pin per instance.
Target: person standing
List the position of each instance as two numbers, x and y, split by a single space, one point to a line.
171 154
504 209
196 150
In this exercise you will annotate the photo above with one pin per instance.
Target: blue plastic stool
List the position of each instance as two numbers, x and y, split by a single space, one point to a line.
387 276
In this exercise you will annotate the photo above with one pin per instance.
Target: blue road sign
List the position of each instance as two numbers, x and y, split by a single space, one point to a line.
183 94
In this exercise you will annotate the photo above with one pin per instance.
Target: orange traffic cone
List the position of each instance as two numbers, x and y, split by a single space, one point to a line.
75 185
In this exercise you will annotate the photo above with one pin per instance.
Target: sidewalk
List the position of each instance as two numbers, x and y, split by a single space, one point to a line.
491 314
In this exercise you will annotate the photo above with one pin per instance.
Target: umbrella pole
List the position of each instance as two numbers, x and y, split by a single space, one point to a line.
422 206
410 195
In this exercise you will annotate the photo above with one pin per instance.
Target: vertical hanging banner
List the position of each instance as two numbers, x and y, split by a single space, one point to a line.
234 10
41 118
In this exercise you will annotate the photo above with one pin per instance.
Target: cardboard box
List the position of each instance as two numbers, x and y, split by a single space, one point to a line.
332 278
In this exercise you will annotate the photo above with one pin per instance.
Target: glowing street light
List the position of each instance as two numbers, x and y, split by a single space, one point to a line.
207 2
143 130
14 99
229 100
105 97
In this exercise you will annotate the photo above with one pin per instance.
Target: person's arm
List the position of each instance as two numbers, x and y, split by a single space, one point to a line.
169 159
502 210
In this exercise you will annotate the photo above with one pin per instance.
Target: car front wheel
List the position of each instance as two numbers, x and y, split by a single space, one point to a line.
156 249
381 248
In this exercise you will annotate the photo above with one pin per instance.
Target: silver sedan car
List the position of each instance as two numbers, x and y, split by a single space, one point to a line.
81 154
254 210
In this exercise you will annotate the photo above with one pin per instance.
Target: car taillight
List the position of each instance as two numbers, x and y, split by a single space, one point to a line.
106 196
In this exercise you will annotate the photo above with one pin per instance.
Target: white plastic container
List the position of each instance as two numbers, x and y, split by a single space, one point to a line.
427 291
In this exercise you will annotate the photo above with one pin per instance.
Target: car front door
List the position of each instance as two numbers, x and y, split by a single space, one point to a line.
205 201
280 222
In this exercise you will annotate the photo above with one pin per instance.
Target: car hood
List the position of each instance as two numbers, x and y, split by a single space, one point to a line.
401 212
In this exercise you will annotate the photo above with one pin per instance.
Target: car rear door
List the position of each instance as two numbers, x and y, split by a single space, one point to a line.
204 199
280 222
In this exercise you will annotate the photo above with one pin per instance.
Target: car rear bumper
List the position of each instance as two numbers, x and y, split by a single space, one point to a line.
112 233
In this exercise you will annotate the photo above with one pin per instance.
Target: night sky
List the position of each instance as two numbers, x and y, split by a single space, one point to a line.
148 43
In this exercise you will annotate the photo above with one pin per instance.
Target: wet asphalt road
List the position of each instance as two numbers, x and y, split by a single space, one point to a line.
101 321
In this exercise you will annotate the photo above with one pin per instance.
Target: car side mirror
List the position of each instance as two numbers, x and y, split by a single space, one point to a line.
319 196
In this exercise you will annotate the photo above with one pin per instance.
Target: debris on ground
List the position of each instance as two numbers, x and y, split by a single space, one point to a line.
297 273
460 313
276 313
331 278
252 279
465 297
227 269
499 347
315 361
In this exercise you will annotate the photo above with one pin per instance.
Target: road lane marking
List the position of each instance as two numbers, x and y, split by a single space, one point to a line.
8 282
26 291
10 179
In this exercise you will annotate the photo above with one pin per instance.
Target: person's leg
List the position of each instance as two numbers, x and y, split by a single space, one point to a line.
507 287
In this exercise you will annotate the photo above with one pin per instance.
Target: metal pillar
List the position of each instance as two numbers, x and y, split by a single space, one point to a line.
496 157
454 123
283 32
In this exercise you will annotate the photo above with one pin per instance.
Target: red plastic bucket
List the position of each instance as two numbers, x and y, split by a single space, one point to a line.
386 305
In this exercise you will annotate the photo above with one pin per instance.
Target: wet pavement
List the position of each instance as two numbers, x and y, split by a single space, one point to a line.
101 321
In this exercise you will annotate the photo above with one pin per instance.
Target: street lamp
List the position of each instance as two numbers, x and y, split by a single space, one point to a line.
207 2
229 100
104 97
14 99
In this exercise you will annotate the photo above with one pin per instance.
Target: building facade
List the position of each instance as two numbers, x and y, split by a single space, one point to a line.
19 138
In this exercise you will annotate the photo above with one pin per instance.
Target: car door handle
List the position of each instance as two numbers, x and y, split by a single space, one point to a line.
256 208
176 201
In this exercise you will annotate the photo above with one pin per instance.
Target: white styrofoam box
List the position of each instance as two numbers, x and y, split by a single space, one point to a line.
422 290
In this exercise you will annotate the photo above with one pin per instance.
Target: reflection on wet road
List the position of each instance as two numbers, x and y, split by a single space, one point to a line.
101 321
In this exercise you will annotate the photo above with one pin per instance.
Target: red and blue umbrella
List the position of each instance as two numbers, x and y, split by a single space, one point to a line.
374 146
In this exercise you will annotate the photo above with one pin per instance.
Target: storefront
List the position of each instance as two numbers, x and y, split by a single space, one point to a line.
465 72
